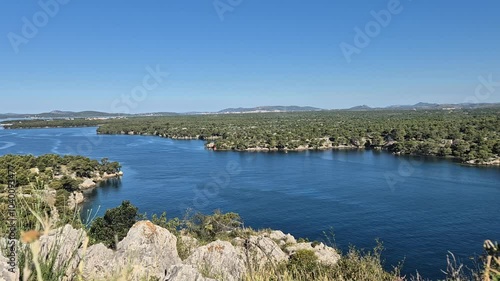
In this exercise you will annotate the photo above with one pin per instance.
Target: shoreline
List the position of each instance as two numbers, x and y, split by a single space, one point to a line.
210 146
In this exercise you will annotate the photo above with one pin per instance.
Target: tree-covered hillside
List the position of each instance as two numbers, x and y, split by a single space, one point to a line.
469 135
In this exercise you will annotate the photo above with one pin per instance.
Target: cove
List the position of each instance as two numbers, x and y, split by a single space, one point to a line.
437 206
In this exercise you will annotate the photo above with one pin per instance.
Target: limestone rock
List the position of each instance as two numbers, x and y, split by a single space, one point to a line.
281 238
147 251
184 272
88 183
220 260
6 269
63 244
277 235
150 246
74 199
189 243
325 254
262 251
100 263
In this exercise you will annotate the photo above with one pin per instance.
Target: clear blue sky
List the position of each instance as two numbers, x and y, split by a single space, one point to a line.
264 52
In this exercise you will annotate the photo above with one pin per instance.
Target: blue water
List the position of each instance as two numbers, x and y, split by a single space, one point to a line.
419 208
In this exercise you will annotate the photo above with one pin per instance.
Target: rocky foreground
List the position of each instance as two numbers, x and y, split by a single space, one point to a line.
150 252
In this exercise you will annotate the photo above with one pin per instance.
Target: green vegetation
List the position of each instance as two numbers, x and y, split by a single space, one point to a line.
355 265
52 168
45 183
115 224
469 135
56 123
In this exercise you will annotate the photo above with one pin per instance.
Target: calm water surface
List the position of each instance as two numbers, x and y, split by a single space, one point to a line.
419 209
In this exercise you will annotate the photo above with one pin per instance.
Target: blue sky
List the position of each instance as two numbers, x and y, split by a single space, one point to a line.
90 55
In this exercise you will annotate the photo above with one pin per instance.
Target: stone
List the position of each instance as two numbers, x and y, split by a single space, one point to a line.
74 199
152 247
100 263
326 255
88 183
277 235
6 269
220 260
185 272
62 244
262 251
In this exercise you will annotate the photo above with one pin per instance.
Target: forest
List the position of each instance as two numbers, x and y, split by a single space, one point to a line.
469 135
51 167
45 183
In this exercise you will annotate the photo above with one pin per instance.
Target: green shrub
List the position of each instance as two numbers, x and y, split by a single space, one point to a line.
115 224
303 262
208 228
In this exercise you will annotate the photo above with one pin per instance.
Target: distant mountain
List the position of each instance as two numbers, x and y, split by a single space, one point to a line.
292 108
62 114
57 114
420 105
428 106
361 107
157 114
81 114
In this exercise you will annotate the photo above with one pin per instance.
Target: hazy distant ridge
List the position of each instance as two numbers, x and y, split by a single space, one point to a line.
293 108
278 108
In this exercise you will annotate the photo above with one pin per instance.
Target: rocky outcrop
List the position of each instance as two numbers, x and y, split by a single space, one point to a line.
282 238
87 184
491 162
220 260
325 254
150 248
106 176
74 199
261 251
8 272
149 251
185 272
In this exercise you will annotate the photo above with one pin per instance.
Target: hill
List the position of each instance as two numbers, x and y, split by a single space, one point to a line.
258 109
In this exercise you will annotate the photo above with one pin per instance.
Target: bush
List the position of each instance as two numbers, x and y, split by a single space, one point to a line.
304 262
115 224
211 227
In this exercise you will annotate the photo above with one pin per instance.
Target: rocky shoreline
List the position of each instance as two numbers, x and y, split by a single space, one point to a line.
476 162
78 197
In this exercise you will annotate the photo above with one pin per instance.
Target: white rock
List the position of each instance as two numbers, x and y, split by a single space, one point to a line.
88 183
6 269
220 260
63 244
277 235
261 251
183 273
326 255
150 246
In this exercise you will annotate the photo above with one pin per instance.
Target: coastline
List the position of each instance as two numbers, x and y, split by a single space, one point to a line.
211 146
